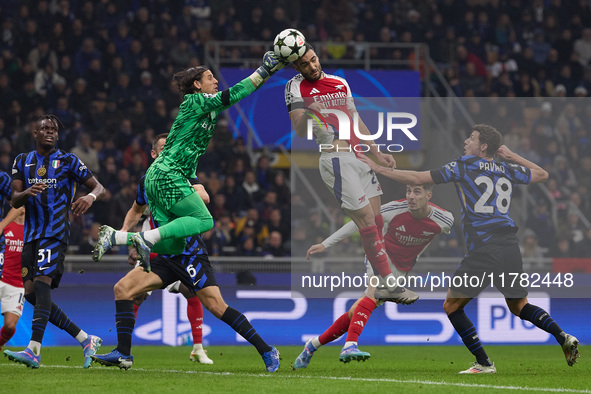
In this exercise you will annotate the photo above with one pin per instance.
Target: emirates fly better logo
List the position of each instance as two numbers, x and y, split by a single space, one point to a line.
388 123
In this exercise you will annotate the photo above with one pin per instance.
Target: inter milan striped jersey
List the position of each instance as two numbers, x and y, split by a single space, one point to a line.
4 196
193 127
47 214
485 189
405 238
195 244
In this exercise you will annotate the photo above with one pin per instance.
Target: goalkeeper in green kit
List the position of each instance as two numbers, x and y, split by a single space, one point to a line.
176 208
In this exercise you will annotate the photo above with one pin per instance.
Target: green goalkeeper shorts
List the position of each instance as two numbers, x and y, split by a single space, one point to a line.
164 188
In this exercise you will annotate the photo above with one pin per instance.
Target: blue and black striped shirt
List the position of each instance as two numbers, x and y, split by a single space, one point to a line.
47 214
485 189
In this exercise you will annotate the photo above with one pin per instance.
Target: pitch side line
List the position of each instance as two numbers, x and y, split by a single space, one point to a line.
268 375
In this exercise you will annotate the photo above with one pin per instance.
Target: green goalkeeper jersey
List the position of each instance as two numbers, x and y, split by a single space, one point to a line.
193 127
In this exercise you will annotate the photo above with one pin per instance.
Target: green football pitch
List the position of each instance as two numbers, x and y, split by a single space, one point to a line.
239 369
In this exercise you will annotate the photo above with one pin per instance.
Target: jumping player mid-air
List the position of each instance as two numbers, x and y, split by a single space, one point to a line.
352 182
177 209
194 306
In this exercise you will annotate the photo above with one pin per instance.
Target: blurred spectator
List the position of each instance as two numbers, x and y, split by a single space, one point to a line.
251 225
247 248
562 248
236 197
224 228
251 187
540 221
583 47
108 175
575 228
138 117
85 55
218 208
556 192
583 248
267 205
66 71
110 150
529 246
181 54
95 77
80 97
281 188
137 168
540 47
525 150
158 118
122 92
263 171
583 173
41 55
563 173
7 93
86 153
133 149
274 245
472 81
275 223
147 93
120 203
212 242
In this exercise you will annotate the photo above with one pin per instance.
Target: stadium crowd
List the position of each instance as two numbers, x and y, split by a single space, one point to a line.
104 68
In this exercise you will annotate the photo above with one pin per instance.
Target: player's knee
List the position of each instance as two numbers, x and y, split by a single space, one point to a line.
10 326
216 306
449 307
366 219
31 298
515 308
121 290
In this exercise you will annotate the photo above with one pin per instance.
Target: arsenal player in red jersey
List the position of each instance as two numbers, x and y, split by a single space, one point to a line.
12 293
409 227
352 182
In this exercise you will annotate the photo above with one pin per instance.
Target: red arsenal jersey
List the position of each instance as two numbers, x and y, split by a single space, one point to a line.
334 93
11 273
405 237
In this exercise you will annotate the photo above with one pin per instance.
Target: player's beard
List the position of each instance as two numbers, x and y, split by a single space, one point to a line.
314 78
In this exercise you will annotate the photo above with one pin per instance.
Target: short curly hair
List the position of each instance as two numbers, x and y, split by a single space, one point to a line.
490 136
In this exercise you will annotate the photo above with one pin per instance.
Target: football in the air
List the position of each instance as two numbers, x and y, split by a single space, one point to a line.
289 45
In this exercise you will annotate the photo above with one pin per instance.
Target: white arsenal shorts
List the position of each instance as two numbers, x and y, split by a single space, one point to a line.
350 180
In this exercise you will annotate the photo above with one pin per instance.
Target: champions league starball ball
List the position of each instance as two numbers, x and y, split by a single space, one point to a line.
289 45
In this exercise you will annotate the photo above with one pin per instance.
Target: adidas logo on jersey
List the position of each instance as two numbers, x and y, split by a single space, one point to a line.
314 91
401 228
9 234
